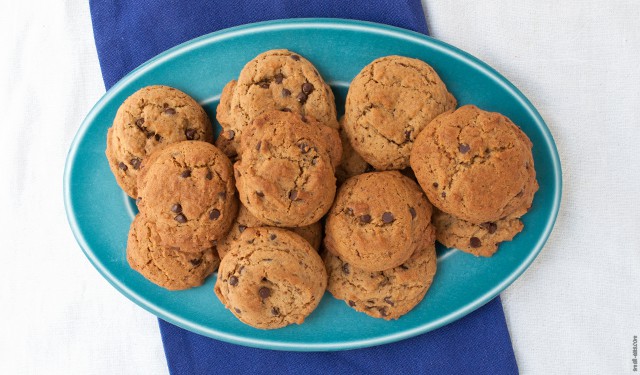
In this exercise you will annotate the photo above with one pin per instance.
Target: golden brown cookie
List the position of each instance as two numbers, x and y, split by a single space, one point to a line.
389 102
352 164
152 117
377 221
276 79
162 265
386 294
475 165
286 174
271 278
478 239
312 233
187 189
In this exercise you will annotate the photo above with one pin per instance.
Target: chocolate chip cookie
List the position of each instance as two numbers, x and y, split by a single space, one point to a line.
152 117
478 239
276 79
475 165
377 221
271 278
389 102
312 233
286 177
352 164
385 294
187 189
162 265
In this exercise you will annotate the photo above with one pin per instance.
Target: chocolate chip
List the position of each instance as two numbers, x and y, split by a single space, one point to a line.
475 242
302 98
285 110
260 194
231 134
350 211
278 77
443 195
237 310
135 163
241 228
123 166
209 175
520 194
186 173
303 118
233 281
139 123
345 268
258 145
388 300
295 57
158 138
169 111
435 185
272 236
195 262
275 311
304 148
412 211
407 135
351 303
383 311
293 194
387 217
404 267
264 85
365 218
180 218
150 134
214 214
464 148
264 292
489 227
285 93
190 134
307 88
176 208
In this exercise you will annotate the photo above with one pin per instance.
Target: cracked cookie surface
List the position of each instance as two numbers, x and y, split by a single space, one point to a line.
151 118
271 278
377 220
163 266
352 164
286 176
389 102
276 79
187 189
386 294
475 165
312 233
477 239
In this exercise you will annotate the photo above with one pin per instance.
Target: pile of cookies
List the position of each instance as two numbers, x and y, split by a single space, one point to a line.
401 168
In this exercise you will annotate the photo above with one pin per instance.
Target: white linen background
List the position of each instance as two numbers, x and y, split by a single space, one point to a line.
574 311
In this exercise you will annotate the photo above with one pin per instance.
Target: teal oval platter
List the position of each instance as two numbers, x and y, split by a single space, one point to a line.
99 213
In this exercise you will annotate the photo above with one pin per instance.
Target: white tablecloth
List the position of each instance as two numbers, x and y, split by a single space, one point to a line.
574 311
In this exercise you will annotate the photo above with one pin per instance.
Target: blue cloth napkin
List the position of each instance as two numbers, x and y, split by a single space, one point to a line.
129 32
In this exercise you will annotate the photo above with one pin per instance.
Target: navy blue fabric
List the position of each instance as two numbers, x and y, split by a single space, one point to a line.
129 32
